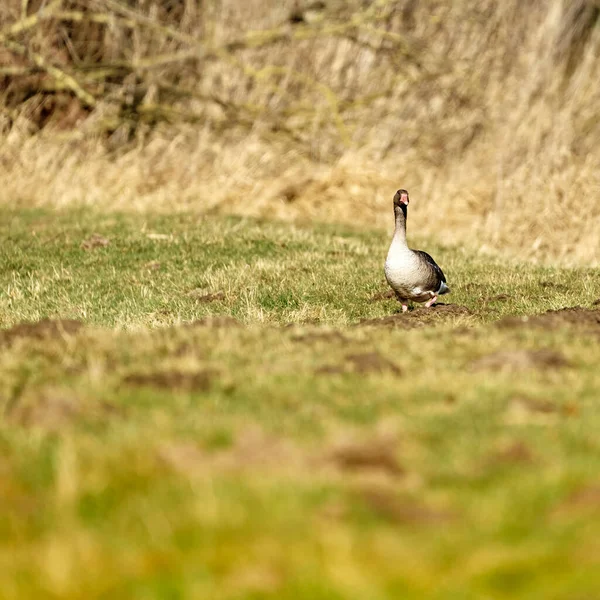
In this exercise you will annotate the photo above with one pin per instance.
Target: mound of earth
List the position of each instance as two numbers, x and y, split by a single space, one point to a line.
314 337
364 363
46 328
172 380
419 317
586 318
518 360
215 322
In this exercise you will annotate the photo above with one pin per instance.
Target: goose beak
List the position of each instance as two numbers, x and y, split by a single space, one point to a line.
401 197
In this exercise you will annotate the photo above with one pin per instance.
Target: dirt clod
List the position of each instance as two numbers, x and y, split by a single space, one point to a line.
558 287
518 360
372 362
405 511
369 455
514 453
313 337
211 297
583 500
95 241
419 317
381 296
215 322
498 298
331 370
172 380
204 296
576 316
49 411
54 409
46 328
535 405
250 450
363 363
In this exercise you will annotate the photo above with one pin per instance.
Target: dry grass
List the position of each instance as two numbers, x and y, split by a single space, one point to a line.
485 111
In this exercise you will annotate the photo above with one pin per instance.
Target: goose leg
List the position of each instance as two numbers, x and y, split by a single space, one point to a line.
431 301
402 301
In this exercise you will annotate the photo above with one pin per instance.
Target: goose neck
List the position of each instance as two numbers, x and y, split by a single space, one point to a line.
400 230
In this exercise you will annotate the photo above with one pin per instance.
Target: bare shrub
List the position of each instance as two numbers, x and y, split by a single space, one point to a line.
487 111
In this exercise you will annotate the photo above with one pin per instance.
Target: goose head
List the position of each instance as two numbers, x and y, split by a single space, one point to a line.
400 202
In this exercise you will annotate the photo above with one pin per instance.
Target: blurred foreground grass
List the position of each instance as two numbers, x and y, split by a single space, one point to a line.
231 408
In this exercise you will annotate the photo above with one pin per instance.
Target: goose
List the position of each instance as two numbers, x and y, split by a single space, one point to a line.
412 274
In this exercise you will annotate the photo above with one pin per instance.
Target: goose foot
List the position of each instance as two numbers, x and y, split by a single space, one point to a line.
431 301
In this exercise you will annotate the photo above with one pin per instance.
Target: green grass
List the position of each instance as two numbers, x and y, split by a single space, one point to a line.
155 454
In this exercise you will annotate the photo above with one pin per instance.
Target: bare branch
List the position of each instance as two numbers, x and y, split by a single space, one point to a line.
60 76
30 22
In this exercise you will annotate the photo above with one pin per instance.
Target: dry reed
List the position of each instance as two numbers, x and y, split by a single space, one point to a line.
487 111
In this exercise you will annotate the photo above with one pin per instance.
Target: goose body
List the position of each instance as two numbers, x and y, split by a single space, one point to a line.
412 274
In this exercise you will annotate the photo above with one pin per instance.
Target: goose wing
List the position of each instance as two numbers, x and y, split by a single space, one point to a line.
438 275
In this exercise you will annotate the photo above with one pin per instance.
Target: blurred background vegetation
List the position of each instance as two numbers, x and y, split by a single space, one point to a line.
488 111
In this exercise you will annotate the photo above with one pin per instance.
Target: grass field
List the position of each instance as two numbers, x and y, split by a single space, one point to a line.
206 390
227 408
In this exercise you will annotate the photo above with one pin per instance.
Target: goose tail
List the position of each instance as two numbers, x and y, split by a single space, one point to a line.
443 289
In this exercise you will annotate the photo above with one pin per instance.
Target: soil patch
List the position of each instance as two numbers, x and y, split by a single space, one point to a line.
558 287
519 360
55 409
372 362
216 322
46 328
514 453
403 511
251 450
369 455
95 241
206 297
419 317
535 405
313 337
153 265
172 380
498 298
363 363
584 500
49 411
381 296
585 318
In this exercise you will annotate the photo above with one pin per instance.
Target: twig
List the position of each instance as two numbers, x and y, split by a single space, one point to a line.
143 20
29 22
93 17
24 5
12 71
60 76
